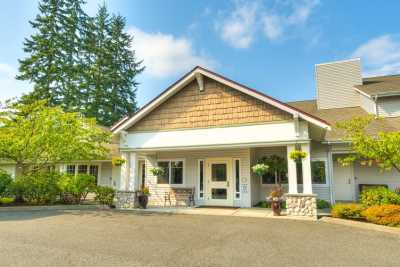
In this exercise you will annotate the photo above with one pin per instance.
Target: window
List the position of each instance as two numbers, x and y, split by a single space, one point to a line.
94 170
318 174
237 179
82 168
201 178
268 178
176 172
218 172
173 172
71 169
163 179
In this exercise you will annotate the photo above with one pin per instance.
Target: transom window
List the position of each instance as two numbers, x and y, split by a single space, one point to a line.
173 172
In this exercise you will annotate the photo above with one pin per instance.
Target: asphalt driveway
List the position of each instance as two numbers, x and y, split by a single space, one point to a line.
104 238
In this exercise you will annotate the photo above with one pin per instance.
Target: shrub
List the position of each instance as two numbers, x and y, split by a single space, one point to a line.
77 186
5 183
6 200
379 196
383 214
105 195
263 204
347 211
37 188
323 204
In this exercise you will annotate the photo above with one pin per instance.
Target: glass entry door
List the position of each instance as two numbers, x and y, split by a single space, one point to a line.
219 182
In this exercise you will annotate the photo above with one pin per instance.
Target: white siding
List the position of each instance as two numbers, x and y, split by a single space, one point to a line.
335 83
367 104
389 106
191 173
372 175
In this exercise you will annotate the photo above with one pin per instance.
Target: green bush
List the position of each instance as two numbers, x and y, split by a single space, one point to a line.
263 204
37 188
76 186
347 211
105 195
383 214
5 183
379 196
323 204
6 200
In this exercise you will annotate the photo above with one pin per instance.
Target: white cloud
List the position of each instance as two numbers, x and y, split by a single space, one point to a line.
239 27
273 26
381 55
165 55
275 19
286 17
9 86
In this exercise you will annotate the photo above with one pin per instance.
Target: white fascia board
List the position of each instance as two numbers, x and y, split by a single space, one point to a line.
361 92
209 137
265 99
228 83
155 103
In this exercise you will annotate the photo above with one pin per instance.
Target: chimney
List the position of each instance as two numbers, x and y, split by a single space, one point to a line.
335 82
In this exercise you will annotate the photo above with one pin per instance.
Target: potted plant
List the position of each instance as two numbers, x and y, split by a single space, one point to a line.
157 171
143 197
118 161
276 198
260 169
297 155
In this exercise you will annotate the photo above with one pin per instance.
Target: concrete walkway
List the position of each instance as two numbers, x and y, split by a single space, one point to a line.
220 211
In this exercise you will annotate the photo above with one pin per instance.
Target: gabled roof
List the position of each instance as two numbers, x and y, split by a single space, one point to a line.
380 86
335 115
128 121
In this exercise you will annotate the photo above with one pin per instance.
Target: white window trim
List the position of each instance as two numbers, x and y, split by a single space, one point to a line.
169 176
88 168
240 176
198 176
326 184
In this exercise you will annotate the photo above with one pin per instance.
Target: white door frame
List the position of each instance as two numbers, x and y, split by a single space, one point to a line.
228 184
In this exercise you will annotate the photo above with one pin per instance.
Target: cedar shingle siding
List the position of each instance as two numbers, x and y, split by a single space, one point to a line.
218 105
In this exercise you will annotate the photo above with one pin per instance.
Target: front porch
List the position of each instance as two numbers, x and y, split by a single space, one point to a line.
217 177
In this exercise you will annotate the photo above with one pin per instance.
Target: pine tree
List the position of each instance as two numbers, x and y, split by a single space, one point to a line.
45 58
111 75
81 63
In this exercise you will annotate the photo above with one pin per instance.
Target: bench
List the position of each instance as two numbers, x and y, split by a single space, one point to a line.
180 195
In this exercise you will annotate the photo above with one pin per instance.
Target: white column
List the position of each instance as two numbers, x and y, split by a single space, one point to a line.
306 162
124 172
133 178
292 172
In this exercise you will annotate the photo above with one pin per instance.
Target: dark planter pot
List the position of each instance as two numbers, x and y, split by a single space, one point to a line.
276 208
143 200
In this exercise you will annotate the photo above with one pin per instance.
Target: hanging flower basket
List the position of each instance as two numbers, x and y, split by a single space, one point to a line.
157 171
118 161
260 169
297 155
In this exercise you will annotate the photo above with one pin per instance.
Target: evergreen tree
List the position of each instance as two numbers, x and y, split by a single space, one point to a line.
81 63
112 69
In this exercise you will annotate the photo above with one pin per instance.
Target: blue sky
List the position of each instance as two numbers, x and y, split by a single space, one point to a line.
271 46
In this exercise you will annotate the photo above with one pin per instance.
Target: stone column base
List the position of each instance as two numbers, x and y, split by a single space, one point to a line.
301 205
125 200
